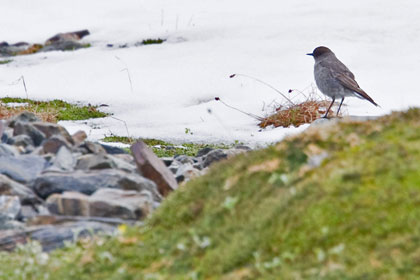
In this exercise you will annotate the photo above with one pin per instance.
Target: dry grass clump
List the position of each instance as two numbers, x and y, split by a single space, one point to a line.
46 116
298 114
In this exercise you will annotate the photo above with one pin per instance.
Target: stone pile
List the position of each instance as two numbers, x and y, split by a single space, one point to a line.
55 186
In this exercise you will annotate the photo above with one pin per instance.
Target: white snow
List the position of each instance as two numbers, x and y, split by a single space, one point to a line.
174 84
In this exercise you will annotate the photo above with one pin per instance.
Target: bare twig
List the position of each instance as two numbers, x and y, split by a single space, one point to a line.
128 72
264 83
239 110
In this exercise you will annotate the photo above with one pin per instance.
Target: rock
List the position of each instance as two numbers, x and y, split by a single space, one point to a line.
121 204
153 168
167 160
22 168
204 151
9 209
213 156
186 172
79 137
54 143
174 166
69 204
93 148
52 236
12 188
94 161
50 129
7 150
27 212
68 36
120 161
184 159
62 46
28 129
113 150
88 182
21 140
23 117
63 161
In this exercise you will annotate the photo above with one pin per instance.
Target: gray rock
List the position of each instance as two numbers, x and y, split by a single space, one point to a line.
184 159
63 161
204 151
213 156
23 117
174 166
52 236
69 204
28 129
153 168
50 129
113 150
186 172
62 46
122 162
9 206
54 143
79 137
21 140
22 168
167 160
10 187
94 161
121 204
7 150
88 182
93 148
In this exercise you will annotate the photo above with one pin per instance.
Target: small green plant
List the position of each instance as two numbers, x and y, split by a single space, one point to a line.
5 61
188 131
153 41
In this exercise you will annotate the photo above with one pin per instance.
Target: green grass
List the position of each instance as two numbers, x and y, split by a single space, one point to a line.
55 110
166 149
153 41
269 214
5 61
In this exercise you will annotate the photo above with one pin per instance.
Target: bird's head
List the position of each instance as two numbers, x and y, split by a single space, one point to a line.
319 51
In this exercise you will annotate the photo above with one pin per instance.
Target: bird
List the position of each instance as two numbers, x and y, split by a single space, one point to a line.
334 79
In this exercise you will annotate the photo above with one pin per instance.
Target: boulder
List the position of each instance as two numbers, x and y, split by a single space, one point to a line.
22 168
9 206
21 140
54 143
50 129
121 204
22 117
151 167
88 182
94 161
79 137
64 160
213 156
69 204
10 187
52 236
27 128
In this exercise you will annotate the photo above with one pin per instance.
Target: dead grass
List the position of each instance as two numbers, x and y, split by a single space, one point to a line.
296 115
8 112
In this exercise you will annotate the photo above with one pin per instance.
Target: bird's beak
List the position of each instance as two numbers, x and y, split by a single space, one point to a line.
311 54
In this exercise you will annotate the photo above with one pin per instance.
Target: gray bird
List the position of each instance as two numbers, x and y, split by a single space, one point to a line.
334 79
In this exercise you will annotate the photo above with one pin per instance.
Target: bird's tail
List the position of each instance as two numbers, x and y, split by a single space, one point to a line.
363 95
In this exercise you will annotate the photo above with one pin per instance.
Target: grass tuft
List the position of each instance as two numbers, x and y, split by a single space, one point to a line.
153 41
51 111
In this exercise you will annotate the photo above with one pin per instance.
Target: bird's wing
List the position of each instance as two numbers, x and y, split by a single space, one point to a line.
349 82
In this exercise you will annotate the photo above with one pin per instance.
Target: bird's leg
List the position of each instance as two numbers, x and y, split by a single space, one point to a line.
339 107
326 114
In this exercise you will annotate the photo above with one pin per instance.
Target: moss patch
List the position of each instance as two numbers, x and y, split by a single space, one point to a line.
52 111
272 214
166 149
